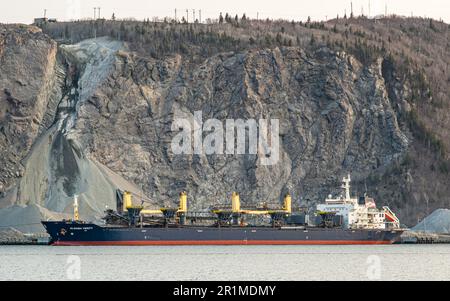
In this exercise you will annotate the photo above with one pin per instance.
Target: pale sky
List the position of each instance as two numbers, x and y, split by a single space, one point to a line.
23 11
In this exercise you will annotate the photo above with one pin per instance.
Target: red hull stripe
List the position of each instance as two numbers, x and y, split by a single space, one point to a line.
220 242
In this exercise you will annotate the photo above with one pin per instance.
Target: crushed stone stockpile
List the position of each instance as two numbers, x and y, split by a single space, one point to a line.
11 234
436 222
27 219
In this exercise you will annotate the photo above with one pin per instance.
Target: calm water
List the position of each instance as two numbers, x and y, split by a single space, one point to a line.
392 262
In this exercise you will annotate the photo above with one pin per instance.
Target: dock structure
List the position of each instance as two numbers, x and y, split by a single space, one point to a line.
411 237
14 237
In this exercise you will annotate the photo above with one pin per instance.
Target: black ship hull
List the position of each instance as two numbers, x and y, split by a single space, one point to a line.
84 234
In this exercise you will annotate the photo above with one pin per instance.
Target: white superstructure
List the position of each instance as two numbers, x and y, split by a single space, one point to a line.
359 215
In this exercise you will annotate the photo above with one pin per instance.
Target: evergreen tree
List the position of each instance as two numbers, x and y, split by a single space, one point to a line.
335 30
313 40
278 38
432 25
227 18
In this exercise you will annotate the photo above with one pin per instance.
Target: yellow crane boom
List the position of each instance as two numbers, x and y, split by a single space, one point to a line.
236 206
128 203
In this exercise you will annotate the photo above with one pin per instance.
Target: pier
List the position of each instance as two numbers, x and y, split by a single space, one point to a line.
424 238
18 239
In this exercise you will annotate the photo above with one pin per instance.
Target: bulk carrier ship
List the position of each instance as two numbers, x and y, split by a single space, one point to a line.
342 220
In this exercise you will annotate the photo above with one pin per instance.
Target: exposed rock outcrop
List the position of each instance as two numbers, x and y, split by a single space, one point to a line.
28 83
51 166
334 115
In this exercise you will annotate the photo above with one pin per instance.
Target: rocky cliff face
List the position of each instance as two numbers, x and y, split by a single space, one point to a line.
28 76
92 117
43 168
335 117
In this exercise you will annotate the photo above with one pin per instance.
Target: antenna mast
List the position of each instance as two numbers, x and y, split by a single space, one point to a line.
346 186
76 216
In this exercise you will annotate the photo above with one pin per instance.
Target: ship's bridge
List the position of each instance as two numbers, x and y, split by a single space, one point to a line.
355 215
342 209
340 200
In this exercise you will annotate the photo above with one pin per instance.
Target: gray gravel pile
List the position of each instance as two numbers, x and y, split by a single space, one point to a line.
436 222
11 235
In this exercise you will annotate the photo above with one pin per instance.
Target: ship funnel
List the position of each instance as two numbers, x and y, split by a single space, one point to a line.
235 202
127 203
287 203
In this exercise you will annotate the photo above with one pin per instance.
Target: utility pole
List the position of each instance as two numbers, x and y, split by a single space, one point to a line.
187 16
193 15
200 15
351 6
175 14
99 12
95 10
